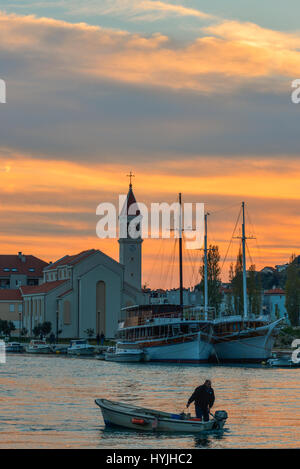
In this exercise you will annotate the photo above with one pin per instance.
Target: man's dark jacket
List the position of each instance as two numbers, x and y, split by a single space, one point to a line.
203 396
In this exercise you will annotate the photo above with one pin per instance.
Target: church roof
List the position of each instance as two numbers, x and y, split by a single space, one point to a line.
130 200
71 260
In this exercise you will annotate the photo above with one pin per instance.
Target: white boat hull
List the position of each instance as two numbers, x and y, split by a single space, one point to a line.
81 352
194 350
248 348
126 416
285 362
123 358
39 350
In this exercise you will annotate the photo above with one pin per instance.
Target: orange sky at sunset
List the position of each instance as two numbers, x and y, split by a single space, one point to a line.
48 198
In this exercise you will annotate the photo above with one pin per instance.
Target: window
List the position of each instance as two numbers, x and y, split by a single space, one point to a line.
31 269
12 308
6 269
67 312
20 308
14 270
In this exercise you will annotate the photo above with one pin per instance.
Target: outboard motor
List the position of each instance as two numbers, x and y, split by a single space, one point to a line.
220 416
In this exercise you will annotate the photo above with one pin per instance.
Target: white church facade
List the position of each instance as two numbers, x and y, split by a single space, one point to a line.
87 290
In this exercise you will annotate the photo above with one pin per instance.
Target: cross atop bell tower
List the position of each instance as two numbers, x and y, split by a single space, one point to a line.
130 249
130 176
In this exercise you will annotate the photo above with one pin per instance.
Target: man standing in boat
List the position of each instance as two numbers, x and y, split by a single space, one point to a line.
204 398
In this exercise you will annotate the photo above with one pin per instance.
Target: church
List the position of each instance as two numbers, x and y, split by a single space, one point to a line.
87 290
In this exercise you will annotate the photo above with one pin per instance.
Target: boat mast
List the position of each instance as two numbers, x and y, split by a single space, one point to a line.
205 268
180 254
244 263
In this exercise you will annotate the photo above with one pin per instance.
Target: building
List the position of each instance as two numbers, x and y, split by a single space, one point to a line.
11 305
87 290
268 270
20 269
191 296
274 303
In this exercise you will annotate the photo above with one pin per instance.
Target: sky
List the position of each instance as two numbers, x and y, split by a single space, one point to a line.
191 97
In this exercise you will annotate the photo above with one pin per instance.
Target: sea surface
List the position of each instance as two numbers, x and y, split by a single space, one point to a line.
48 402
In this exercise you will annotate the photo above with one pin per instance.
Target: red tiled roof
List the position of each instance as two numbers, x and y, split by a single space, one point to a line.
275 291
14 261
70 260
8 294
43 288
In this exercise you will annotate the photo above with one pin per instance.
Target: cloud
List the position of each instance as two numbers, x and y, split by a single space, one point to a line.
80 91
137 10
232 57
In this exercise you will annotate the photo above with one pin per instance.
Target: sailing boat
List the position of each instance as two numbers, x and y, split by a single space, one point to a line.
169 333
243 338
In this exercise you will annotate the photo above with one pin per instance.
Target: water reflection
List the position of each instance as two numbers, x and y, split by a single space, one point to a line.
48 402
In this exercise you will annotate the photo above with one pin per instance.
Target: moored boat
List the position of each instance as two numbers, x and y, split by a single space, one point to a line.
140 418
167 333
80 347
283 361
236 339
14 347
124 352
243 337
38 346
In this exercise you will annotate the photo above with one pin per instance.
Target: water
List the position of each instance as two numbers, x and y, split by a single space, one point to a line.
48 402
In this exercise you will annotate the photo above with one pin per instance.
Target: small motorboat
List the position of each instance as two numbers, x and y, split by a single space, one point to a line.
80 347
284 361
140 418
38 346
14 347
124 353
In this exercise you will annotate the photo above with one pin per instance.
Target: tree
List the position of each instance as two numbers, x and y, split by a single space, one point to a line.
292 292
46 328
213 278
228 293
237 285
23 332
90 333
36 330
254 291
6 327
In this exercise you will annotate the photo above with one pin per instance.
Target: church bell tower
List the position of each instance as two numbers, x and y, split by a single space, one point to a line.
130 249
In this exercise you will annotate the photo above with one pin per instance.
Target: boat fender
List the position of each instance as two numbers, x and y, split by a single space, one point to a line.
139 421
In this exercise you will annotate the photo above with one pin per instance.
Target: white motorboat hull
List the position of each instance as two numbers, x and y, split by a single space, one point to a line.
81 352
283 362
39 350
138 418
123 358
14 349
